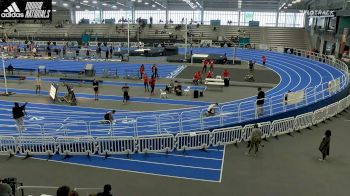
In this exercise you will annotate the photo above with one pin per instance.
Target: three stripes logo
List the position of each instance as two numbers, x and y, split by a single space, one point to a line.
12 11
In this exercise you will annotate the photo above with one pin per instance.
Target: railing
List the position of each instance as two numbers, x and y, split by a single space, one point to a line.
195 118
87 145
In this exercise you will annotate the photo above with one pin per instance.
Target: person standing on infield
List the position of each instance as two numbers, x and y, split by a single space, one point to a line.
37 85
95 86
125 90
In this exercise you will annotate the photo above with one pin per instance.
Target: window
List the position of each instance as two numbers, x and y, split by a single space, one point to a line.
177 16
157 16
291 20
224 16
92 16
117 15
266 19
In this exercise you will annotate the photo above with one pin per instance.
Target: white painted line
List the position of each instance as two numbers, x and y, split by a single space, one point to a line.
156 163
222 163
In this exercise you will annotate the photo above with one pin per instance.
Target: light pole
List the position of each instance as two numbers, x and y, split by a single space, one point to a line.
186 40
3 67
128 37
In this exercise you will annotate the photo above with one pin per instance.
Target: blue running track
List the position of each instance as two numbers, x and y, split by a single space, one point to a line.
296 73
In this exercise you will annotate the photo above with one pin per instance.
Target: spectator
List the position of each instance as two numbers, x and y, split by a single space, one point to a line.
125 90
255 139
95 86
263 58
63 191
152 83
142 70
211 109
325 145
107 54
145 82
106 190
109 116
74 193
260 102
18 114
10 69
111 51
37 85
99 50
5 189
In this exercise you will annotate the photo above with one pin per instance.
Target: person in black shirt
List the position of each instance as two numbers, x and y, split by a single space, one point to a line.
251 67
109 116
18 114
95 86
107 54
106 191
111 52
260 100
125 90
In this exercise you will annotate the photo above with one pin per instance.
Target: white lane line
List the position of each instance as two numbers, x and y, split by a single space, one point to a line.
189 156
156 163
222 163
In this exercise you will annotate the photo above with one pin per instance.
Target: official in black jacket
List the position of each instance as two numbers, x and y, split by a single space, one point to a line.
18 115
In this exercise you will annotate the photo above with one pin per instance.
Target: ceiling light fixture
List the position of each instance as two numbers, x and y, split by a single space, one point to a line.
65 4
86 1
94 2
77 6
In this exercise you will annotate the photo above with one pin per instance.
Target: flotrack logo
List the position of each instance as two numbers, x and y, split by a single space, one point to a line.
27 10
319 13
12 11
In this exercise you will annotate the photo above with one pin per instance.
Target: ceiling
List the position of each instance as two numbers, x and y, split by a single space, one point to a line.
222 5
271 5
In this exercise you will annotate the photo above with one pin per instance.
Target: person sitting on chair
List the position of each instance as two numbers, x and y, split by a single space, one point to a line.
211 109
109 116
178 90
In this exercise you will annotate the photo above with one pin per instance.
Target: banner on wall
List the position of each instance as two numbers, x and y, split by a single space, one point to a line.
25 9
319 13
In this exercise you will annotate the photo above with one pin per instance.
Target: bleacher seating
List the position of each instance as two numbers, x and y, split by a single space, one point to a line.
272 36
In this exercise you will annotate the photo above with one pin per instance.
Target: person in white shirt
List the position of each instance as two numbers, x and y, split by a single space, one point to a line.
211 109
37 85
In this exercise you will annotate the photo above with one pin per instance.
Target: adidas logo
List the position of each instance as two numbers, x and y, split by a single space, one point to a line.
12 11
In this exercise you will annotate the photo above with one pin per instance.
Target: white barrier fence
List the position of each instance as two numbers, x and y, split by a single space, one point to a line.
109 145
